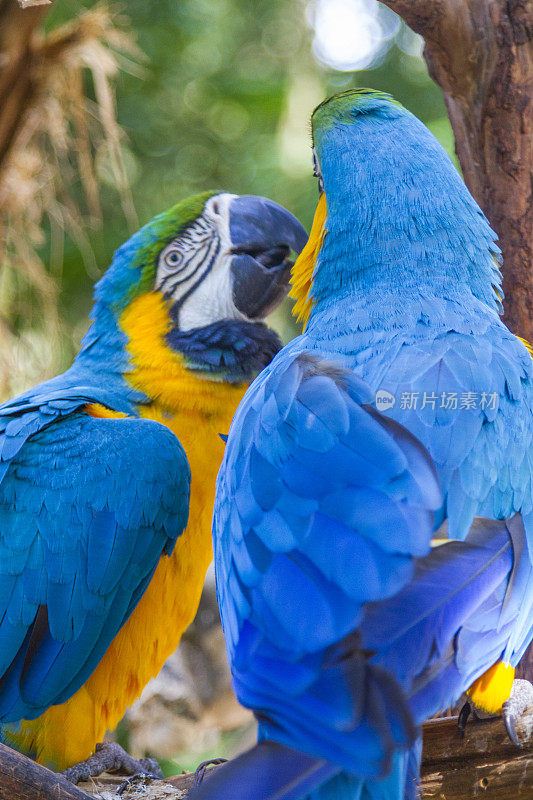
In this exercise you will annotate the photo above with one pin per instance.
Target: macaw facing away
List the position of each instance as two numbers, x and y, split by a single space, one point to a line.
345 628
107 471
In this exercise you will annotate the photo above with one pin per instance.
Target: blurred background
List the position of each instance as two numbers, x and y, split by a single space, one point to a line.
140 105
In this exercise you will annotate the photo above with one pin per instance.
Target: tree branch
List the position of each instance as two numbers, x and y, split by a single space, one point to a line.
421 15
23 779
455 767
484 761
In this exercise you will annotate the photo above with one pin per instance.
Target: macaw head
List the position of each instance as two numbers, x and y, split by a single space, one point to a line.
393 211
195 283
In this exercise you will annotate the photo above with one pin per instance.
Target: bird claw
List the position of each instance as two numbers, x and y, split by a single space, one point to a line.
110 756
462 719
510 726
199 773
514 709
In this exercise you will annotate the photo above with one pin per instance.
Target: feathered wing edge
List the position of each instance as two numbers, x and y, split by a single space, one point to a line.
455 618
304 442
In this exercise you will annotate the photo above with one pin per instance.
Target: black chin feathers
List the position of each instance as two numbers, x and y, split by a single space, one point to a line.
232 349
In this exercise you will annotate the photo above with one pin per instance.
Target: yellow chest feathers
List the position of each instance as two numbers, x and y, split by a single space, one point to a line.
196 409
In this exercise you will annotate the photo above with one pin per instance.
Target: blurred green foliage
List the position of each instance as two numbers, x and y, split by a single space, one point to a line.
224 102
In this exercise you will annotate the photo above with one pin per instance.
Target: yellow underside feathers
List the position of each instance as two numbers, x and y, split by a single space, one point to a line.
102 412
160 372
490 691
304 267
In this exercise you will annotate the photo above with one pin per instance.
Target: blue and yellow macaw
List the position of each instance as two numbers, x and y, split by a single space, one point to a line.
347 623
107 471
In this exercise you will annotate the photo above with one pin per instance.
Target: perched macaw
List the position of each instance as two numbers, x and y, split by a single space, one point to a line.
107 472
346 625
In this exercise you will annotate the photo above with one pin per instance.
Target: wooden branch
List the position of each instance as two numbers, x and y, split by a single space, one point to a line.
453 767
484 762
421 15
480 53
139 789
23 779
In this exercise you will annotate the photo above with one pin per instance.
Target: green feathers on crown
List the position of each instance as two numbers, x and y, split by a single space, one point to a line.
134 264
344 107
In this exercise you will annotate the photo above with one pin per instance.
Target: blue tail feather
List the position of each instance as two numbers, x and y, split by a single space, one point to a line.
269 771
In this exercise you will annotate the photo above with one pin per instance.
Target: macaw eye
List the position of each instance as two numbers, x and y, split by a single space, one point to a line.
172 258
316 171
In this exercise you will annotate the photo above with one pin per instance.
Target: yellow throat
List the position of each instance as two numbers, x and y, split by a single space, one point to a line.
304 267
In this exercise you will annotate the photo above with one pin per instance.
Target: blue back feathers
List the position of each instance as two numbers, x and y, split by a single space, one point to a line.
344 630
321 505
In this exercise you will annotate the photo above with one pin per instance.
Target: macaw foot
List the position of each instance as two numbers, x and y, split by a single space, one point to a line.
199 773
111 757
519 709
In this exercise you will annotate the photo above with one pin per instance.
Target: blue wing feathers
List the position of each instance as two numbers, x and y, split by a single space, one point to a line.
312 486
83 523
447 589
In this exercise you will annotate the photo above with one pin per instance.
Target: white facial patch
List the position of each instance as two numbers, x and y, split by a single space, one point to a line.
212 300
195 268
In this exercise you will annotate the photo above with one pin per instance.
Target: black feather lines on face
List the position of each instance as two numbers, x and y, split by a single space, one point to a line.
231 349
198 245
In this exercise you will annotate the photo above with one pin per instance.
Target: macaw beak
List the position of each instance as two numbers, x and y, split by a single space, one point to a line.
262 235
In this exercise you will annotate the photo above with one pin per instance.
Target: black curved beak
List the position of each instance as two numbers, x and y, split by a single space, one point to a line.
262 234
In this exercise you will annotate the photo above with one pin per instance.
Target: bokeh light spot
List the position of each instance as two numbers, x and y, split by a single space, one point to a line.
351 34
